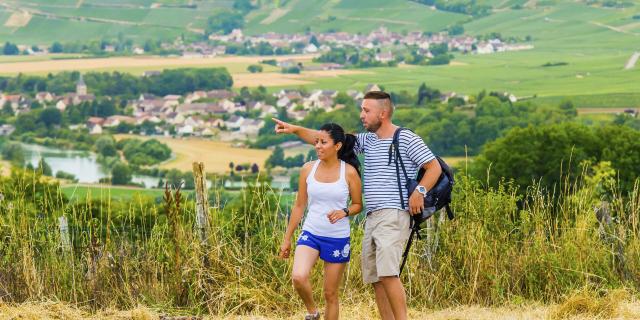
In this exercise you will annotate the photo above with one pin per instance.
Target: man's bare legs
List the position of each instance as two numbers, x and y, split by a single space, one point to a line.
390 298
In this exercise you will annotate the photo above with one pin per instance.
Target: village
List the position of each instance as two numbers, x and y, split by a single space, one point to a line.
199 113
388 43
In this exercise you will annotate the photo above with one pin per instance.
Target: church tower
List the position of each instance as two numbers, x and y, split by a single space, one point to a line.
81 87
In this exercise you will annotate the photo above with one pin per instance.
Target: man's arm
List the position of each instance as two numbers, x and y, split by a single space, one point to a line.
433 171
307 135
429 180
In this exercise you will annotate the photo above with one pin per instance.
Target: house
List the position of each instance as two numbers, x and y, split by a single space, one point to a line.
384 57
95 120
196 95
77 99
235 122
484 48
146 96
94 129
446 96
114 121
184 130
215 123
44 97
371 87
227 105
311 48
151 73
251 127
94 124
6 129
201 108
62 104
268 110
220 94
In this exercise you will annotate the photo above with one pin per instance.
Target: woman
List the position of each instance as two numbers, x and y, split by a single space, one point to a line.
325 186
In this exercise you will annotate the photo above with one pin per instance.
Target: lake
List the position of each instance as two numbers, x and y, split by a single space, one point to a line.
82 164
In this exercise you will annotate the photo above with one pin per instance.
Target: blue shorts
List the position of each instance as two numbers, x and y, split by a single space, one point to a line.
332 250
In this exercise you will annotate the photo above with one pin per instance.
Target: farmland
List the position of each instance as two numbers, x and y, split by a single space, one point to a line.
215 155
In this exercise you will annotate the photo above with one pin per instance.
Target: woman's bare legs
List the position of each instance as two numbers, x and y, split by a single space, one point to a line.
332 279
303 260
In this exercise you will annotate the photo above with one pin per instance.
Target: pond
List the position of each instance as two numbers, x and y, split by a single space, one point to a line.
82 164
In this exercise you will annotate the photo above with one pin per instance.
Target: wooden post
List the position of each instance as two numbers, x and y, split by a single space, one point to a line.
202 203
65 241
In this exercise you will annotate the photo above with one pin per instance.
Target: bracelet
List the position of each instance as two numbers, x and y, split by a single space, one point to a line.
346 210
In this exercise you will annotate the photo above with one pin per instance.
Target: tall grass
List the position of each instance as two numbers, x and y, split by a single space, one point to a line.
504 246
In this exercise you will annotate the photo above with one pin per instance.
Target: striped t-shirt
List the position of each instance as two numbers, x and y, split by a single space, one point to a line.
380 179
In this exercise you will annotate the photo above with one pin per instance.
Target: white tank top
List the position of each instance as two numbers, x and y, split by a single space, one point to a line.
323 198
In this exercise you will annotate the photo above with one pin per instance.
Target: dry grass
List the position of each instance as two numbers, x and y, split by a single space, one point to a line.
216 155
124 63
623 309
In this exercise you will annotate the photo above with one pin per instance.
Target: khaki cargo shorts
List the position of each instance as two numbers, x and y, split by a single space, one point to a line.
386 232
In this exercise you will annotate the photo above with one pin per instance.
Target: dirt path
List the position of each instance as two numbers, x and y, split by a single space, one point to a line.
58 310
632 61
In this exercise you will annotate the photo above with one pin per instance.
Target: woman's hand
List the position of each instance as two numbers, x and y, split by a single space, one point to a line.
285 249
336 215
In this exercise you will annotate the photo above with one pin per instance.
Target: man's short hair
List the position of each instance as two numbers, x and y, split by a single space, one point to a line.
383 97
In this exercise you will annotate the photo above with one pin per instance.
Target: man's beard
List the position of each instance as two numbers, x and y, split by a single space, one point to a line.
373 127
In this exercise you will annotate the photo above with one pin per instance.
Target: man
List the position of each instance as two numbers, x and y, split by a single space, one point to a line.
387 226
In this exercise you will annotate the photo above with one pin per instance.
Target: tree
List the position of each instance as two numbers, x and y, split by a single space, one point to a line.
10 49
50 117
44 168
7 110
293 181
254 168
14 153
106 146
456 30
243 6
254 68
224 21
56 47
276 158
120 174
544 153
26 122
314 41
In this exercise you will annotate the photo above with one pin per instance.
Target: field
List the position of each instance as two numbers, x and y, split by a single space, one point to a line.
136 65
83 192
594 44
349 16
215 155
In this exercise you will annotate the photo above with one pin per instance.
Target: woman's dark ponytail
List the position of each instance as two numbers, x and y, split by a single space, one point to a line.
348 141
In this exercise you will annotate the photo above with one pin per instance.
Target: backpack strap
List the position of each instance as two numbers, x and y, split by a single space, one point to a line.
394 151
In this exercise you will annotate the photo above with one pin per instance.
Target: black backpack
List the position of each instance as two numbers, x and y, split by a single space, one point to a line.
437 198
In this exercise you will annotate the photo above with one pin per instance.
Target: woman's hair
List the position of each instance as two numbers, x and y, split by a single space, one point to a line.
348 141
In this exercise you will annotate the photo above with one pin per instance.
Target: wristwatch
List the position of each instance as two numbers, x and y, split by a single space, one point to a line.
422 190
346 210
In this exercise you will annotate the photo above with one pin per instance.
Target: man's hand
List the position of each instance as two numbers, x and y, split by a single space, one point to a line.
284 127
416 203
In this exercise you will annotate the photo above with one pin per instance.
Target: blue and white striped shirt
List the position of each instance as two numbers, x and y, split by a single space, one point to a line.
380 179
